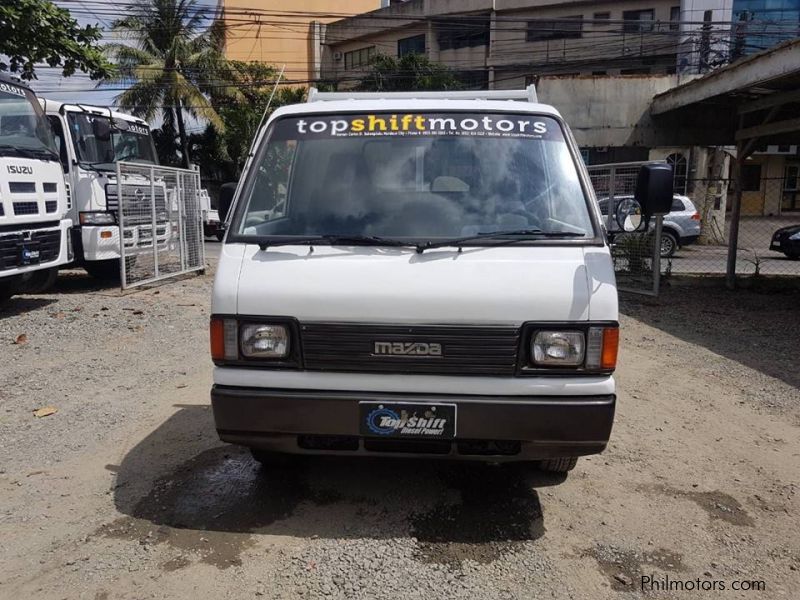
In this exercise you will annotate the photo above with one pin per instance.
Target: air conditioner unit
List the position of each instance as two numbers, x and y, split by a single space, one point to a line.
337 56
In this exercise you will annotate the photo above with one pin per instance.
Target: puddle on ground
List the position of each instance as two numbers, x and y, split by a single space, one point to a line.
498 511
718 505
209 505
624 567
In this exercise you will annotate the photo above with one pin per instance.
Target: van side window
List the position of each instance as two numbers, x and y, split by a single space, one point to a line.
58 134
271 187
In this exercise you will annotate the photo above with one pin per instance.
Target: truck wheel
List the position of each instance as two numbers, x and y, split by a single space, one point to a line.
274 460
558 465
7 289
40 281
103 269
669 244
220 235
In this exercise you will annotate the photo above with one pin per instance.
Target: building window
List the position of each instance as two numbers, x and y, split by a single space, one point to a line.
411 45
680 172
556 29
602 16
458 33
751 178
359 58
638 21
675 18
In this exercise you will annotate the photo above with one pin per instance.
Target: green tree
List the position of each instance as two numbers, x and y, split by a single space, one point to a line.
222 154
176 65
412 72
37 31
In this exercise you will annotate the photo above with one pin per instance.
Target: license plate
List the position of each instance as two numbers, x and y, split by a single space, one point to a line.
29 256
407 420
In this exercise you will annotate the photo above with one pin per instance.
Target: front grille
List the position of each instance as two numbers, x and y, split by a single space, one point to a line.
51 205
2 210
22 187
50 188
48 243
464 350
136 202
26 208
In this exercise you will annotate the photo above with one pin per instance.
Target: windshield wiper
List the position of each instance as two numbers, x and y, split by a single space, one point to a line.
29 152
350 240
517 235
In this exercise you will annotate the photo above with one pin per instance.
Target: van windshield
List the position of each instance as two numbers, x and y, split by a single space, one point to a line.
413 177
132 144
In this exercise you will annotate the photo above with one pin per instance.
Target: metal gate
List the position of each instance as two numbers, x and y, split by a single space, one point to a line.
637 256
160 222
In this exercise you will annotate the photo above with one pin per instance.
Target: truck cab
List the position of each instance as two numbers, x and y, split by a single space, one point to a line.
34 224
91 140
416 273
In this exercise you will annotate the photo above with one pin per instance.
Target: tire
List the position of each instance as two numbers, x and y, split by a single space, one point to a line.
558 465
220 235
40 281
669 244
7 289
274 460
103 269
792 255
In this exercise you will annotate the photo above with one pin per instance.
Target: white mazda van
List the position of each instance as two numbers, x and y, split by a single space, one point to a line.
417 273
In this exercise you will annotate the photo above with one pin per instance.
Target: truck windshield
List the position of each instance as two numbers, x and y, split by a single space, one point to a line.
420 177
132 144
24 130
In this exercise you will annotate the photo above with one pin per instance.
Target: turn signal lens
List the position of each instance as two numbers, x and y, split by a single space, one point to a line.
601 348
610 346
223 339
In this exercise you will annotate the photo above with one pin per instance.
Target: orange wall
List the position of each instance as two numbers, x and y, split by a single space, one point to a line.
271 35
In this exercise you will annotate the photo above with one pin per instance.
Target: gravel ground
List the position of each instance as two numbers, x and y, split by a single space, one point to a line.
125 492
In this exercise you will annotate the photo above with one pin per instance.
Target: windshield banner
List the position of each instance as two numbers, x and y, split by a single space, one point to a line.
415 124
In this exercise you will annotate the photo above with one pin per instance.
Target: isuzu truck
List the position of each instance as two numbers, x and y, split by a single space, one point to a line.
421 274
34 227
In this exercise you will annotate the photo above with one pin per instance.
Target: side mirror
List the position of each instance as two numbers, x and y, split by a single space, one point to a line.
101 129
629 215
226 192
654 189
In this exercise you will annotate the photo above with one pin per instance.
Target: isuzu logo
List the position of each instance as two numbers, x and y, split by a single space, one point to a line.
20 170
407 349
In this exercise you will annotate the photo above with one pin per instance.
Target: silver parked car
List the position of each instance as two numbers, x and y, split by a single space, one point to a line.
681 226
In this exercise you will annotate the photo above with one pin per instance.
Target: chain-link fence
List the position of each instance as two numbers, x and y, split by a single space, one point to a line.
635 261
160 221
695 236
697 232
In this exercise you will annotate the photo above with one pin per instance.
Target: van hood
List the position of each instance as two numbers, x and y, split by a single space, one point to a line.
507 285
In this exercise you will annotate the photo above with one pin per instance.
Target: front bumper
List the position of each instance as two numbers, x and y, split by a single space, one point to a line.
496 428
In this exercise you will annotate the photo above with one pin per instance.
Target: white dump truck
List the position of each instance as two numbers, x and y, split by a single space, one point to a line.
34 228
91 141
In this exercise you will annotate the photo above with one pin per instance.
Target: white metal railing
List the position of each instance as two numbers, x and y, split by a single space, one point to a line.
160 222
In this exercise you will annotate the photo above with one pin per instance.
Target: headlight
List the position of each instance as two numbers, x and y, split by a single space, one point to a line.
97 218
264 341
558 348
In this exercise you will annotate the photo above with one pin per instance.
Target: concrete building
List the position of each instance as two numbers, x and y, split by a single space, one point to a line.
282 32
502 43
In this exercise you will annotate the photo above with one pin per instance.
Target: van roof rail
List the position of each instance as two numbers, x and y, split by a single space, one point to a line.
526 95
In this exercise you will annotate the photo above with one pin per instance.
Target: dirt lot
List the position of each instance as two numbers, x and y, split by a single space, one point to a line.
125 492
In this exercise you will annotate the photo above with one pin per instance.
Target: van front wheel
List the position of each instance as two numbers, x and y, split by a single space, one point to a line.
558 465
275 460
